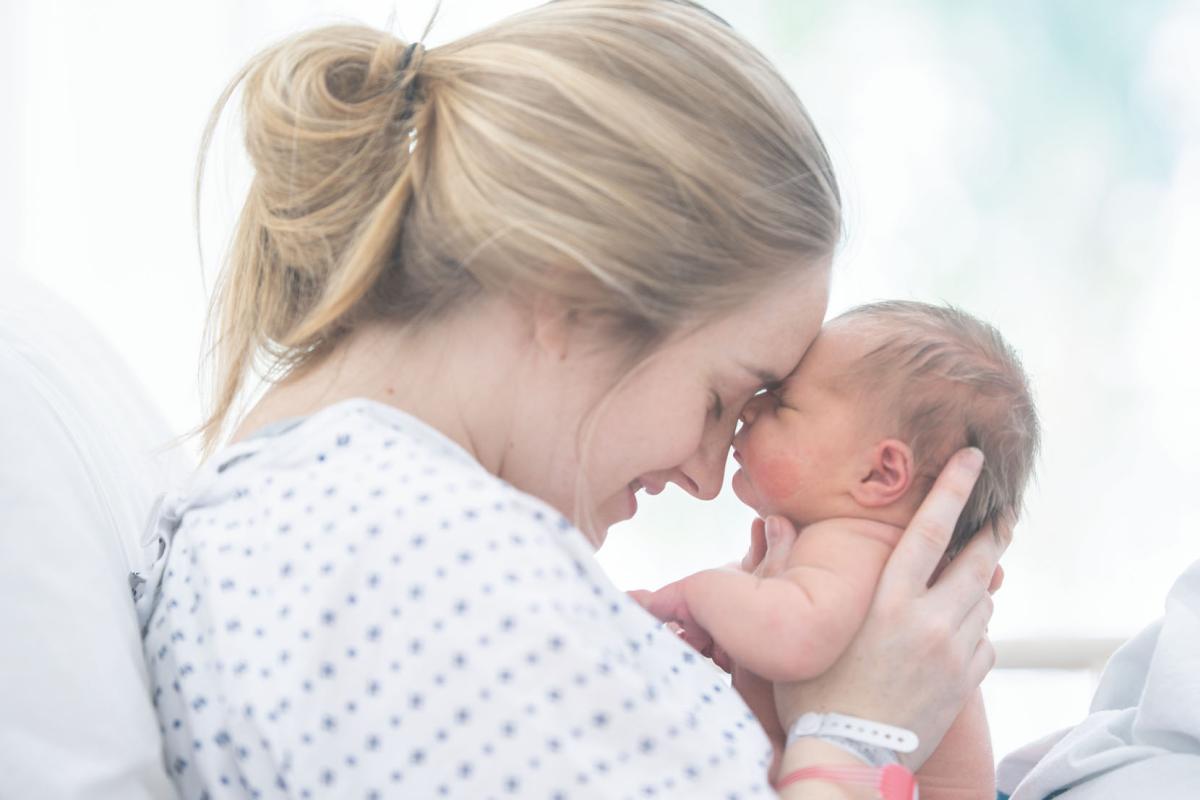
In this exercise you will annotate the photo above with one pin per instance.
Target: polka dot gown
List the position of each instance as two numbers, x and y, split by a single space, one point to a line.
350 606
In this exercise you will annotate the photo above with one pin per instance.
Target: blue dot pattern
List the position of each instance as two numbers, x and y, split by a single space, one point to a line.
353 607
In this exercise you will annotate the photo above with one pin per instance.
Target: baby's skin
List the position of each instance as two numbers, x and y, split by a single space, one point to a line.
814 452
805 616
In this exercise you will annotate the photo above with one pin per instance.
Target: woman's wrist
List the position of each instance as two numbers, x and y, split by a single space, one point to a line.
808 751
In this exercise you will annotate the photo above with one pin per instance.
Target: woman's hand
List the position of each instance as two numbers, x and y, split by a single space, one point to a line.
923 648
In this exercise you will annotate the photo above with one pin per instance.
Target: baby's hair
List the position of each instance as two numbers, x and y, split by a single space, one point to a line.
952 381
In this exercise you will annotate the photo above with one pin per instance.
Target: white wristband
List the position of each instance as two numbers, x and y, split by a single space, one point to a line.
865 731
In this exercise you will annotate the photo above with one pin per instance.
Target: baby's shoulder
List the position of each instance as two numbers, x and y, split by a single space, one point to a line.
844 541
853 529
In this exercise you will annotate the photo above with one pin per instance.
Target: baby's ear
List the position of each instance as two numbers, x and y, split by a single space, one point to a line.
888 475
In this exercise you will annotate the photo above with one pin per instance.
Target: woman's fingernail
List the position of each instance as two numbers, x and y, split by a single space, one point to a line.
973 458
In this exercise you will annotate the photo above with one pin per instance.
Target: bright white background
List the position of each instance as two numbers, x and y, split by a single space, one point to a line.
1038 164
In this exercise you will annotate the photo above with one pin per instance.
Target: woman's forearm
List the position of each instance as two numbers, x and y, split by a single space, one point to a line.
962 767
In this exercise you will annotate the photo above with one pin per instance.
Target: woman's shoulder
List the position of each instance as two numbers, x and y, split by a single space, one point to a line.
366 477
350 445
355 430
432 608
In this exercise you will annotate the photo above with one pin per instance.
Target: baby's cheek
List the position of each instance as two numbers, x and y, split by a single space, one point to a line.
777 478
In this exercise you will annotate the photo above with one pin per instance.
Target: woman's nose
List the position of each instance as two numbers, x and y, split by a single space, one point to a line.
703 474
703 477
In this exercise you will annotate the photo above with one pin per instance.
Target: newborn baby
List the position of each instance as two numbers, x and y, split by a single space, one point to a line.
846 448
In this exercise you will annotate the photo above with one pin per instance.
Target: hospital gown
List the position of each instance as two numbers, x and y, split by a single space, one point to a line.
349 605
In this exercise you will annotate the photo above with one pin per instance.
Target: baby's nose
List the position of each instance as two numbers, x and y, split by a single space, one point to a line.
751 410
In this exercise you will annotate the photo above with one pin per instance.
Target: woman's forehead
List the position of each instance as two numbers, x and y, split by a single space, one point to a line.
769 353
837 347
781 325
764 339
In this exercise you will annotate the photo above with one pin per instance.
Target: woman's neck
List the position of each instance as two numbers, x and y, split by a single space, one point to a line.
419 372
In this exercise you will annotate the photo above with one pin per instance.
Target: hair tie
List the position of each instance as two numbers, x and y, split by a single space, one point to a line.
407 59
410 90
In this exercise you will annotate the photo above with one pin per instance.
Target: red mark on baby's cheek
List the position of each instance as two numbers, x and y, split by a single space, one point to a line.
777 478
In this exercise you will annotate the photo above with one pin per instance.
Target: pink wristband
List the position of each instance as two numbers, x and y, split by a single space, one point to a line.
893 781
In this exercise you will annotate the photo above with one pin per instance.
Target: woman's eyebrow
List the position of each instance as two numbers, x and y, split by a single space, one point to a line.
764 376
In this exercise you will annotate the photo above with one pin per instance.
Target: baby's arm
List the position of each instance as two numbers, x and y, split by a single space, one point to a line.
792 626
962 767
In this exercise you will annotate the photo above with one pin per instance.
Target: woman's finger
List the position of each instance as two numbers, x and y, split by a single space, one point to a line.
971 572
974 625
698 638
1002 530
997 580
780 536
758 546
924 543
722 659
981 663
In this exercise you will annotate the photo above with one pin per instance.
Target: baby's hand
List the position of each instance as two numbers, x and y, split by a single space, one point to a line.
669 605
641 597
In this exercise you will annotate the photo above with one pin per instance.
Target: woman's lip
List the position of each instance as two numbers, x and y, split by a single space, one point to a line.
632 504
651 489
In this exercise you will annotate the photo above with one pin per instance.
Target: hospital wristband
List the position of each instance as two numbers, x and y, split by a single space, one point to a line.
893 782
874 743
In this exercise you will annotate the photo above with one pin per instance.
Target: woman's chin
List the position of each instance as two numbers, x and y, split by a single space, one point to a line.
616 509
596 532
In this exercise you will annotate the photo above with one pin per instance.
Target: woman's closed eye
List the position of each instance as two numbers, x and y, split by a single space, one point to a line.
717 408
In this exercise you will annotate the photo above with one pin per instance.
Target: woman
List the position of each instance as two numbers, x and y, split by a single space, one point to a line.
500 287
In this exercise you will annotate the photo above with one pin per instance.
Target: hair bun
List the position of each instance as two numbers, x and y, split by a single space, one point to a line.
638 162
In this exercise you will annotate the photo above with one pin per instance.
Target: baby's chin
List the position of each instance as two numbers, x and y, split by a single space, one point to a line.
745 492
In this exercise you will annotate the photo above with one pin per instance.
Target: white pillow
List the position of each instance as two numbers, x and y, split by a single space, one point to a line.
78 478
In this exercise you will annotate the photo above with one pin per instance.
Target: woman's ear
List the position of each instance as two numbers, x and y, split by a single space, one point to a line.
889 474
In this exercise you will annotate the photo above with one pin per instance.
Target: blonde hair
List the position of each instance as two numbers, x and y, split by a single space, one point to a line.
950 381
637 160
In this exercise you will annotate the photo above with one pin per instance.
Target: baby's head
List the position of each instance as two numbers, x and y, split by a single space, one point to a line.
883 398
